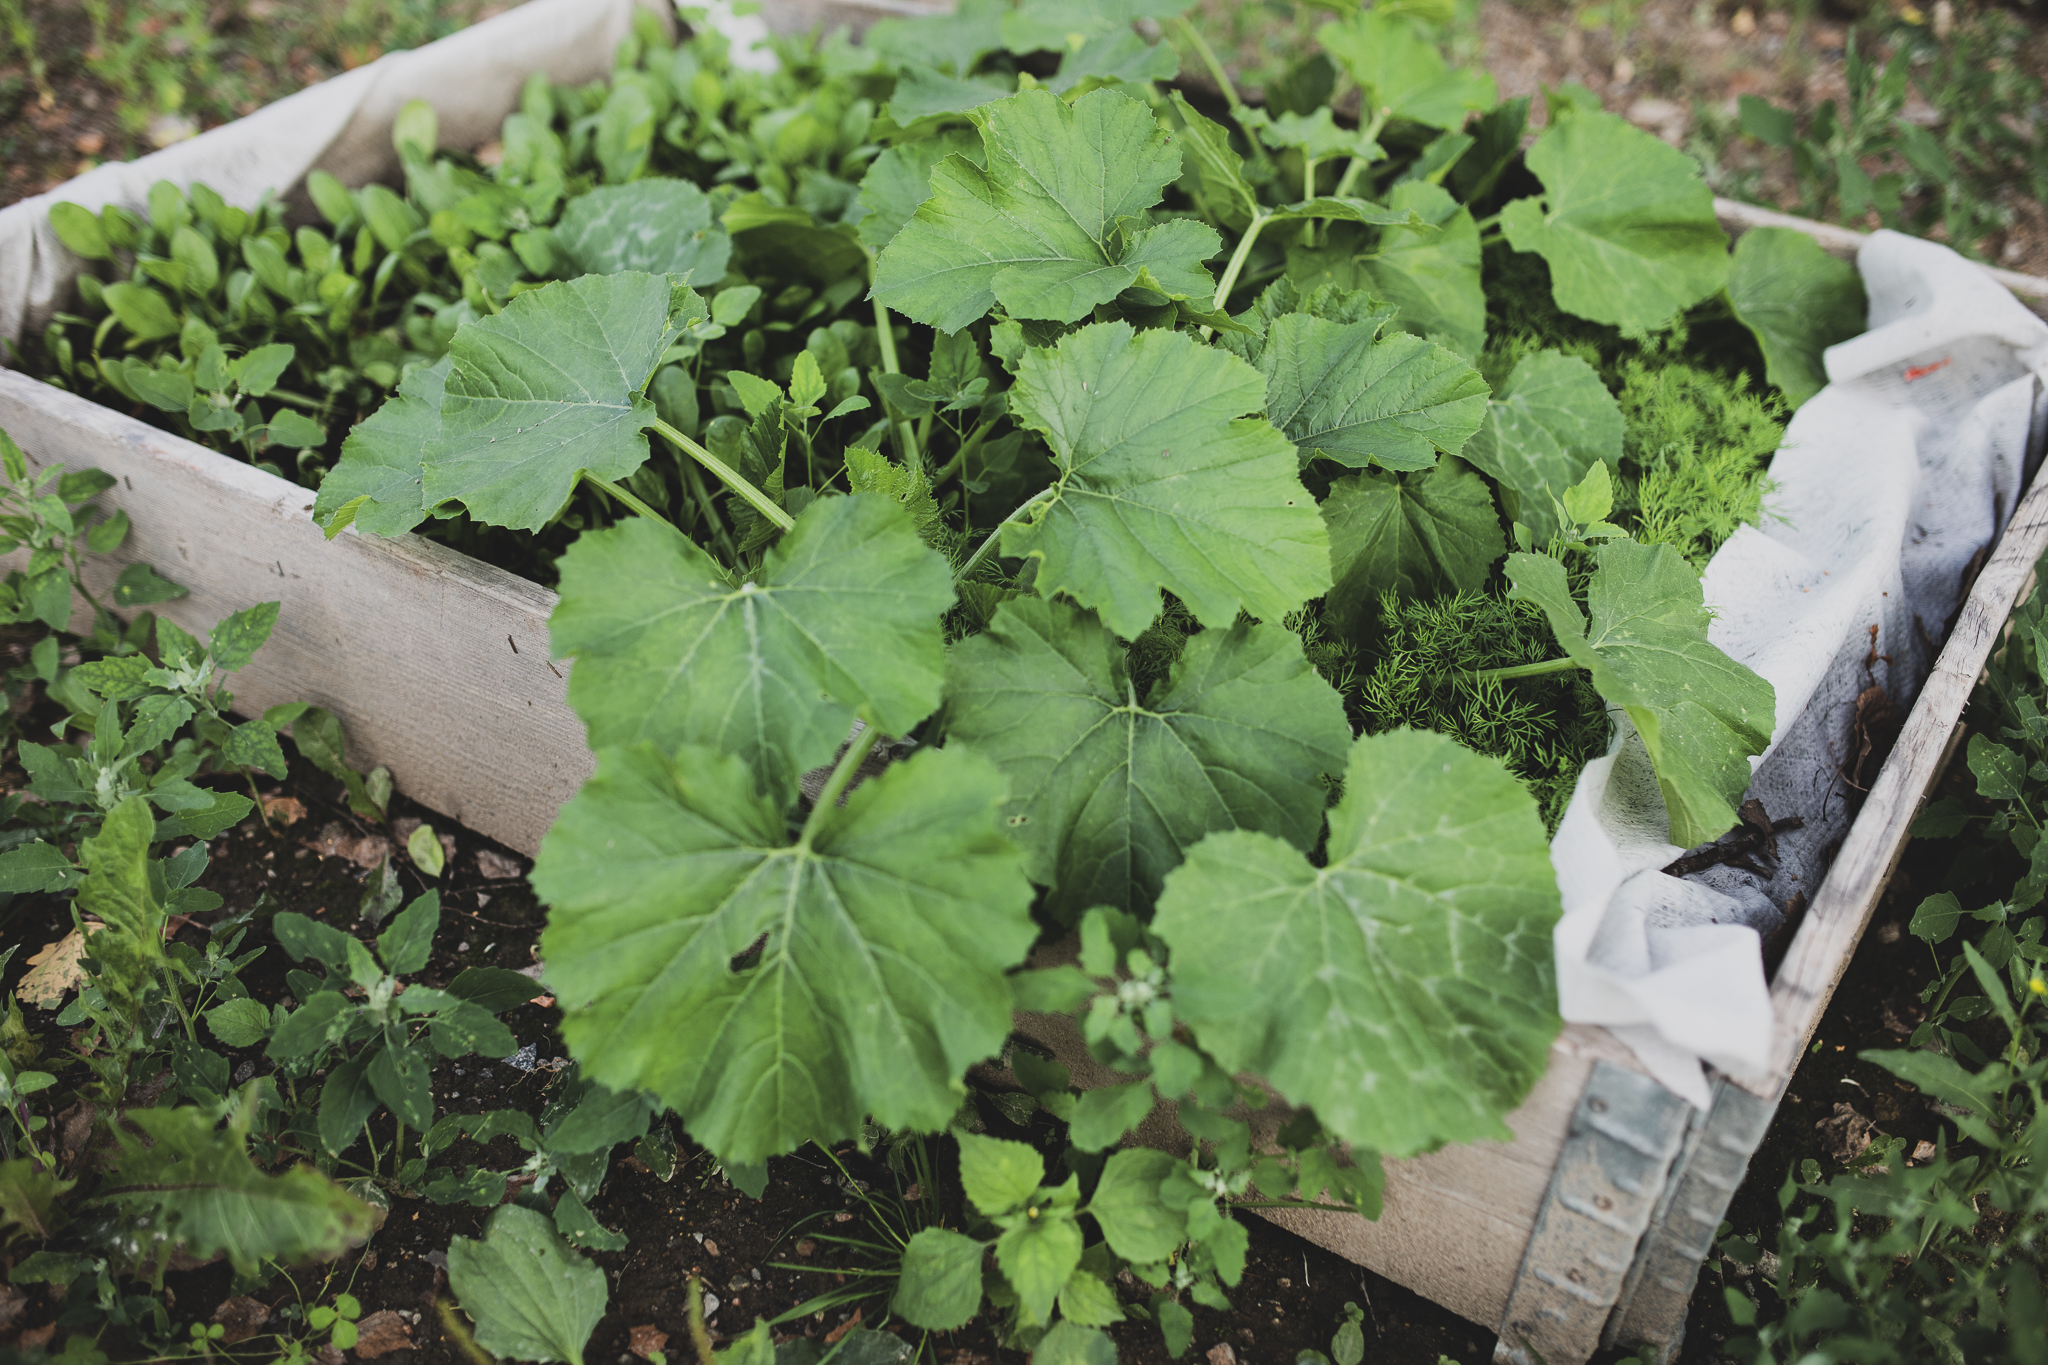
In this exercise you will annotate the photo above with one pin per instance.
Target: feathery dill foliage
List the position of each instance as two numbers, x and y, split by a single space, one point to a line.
1421 676
1698 424
1696 443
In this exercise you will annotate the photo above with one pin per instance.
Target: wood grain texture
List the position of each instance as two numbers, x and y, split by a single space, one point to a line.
437 664
1841 909
1737 218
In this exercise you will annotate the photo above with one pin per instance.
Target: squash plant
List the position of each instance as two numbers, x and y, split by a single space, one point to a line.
1199 406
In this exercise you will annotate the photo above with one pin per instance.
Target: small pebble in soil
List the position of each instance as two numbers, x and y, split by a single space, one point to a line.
806 1247
710 1247
462 947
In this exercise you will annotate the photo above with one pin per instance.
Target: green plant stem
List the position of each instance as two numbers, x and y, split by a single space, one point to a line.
1358 164
967 447
451 1323
1236 265
885 337
700 1337
1208 56
1308 191
1042 495
1544 669
710 513
727 475
849 762
624 498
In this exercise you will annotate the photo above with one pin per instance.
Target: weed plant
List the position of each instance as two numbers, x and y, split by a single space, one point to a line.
1937 1253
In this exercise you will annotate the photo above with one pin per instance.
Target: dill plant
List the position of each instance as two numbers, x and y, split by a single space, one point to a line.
1424 674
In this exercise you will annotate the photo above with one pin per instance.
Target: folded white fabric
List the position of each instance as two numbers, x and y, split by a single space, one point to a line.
1891 482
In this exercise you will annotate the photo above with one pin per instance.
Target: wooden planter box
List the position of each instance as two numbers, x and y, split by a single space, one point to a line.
1587 1229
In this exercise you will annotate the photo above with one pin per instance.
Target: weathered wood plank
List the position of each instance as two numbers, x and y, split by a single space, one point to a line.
436 663
1841 909
1737 218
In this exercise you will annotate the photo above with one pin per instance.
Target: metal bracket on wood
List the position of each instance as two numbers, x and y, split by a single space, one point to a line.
1625 1134
1654 1298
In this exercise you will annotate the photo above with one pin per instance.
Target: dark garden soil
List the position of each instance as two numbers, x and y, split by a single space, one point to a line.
763 1258
757 1258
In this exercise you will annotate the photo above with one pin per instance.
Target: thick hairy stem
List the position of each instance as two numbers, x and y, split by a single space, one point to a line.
849 762
623 498
1236 266
726 475
988 544
885 337
1543 669
1359 163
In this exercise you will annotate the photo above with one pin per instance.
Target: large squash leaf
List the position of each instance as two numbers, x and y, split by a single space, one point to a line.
1414 534
1108 791
842 621
1432 277
376 484
1625 222
660 226
1700 713
1343 391
770 990
550 388
1158 487
1067 25
1399 70
1403 990
951 42
1041 231
194 1188
1798 300
1550 422
901 178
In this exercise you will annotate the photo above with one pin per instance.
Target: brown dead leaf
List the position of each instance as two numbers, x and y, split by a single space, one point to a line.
55 972
832 1337
283 810
1846 1133
242 1316
365 851
382 1333
35 1338
496 867
13 1303
645 1341
74 1130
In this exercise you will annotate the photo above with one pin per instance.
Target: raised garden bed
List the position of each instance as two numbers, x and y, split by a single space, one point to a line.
434 660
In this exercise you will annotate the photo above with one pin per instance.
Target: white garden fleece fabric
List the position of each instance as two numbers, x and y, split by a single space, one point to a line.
1891 482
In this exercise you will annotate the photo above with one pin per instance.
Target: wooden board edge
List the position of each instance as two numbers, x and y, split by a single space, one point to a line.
1737 218
1841 909
439 665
